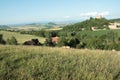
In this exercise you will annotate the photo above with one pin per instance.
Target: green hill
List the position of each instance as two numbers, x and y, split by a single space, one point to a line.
88 24
115 20
44 63
21 38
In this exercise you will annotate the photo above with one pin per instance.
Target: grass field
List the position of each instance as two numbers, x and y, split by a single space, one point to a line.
21 38
44 63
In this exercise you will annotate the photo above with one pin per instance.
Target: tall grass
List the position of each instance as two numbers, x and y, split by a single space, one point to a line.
44 63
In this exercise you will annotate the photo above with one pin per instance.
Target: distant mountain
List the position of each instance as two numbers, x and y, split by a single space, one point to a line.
51 23
4 27
34 26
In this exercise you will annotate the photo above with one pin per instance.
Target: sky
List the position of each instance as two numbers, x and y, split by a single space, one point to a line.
22 11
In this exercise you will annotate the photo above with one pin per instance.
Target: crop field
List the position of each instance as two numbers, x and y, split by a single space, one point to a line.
45 63
21 38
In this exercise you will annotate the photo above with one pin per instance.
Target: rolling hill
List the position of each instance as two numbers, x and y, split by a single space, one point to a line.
115 20
4 27
21 38
88 24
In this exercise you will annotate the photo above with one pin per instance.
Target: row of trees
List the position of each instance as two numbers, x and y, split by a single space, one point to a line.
41 33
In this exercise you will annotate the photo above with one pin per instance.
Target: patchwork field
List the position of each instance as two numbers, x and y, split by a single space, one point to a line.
45 63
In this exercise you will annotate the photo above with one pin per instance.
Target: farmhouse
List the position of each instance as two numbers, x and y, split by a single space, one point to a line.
96 29
55 39
114 25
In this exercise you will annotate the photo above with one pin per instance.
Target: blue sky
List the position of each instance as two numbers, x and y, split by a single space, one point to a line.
22 11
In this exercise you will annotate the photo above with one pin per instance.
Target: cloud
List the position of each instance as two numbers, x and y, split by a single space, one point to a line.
88 14
94 14
104 13
66 17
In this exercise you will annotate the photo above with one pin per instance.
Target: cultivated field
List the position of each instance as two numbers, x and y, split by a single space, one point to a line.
21 38
44 63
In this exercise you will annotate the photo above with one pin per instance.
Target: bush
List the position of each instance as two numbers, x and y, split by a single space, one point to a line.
81 45
62 42
12 41
1 39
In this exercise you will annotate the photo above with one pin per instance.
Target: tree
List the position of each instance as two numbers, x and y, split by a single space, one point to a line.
81 45
12 41
72 42
1 39
48 41
62 42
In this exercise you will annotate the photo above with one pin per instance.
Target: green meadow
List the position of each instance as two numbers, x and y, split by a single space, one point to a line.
21 38
47 63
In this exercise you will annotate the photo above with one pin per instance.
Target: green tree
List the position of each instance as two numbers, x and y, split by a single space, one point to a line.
62 42
12 41
72 42
1 39
48 41
81 45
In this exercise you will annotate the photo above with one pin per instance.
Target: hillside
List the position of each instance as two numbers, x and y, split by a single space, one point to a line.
115 20
98 33
44 63
4 27
21 38
88 24
34 26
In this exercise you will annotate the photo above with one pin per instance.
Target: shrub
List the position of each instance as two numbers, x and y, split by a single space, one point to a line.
12 41
1 39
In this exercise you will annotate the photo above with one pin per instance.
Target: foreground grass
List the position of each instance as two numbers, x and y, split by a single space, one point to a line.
21 38
44 63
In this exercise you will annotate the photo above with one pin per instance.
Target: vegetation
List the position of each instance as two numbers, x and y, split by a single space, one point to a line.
48 63
115 20
2 41
41 33
88 24
21 38
44 63
12 41
92 40
79 35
